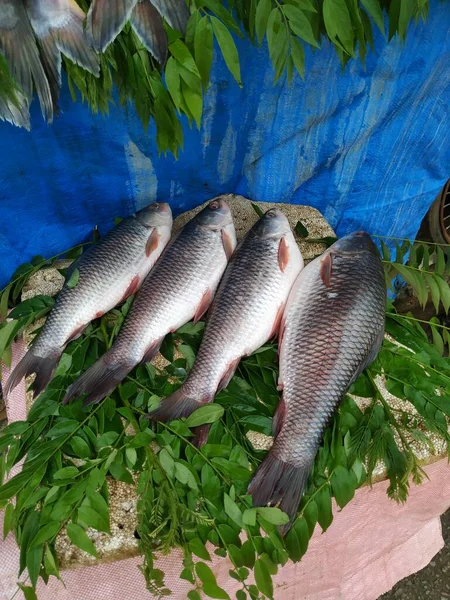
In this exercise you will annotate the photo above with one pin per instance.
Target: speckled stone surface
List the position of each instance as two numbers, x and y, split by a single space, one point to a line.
122 542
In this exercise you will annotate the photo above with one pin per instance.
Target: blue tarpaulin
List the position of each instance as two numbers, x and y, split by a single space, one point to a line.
370 148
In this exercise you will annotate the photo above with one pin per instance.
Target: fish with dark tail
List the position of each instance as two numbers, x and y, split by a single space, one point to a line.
332 330
180 288
246 312
109 272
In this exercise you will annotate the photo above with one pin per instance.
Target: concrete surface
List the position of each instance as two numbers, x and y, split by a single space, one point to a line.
432 582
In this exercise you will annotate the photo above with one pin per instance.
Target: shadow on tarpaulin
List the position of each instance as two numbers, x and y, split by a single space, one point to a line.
370 148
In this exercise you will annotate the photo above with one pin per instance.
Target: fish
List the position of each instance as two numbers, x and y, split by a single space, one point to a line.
106 19
108 273
59 28
18 46
179 288
245 313
332 329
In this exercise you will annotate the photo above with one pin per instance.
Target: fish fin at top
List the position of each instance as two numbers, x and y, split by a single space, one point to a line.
152 350
132 287
326 267
276 329
283 254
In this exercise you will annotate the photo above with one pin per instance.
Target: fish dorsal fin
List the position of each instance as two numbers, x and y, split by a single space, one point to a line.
277 323
326 266
152 242
279 417
227 376
283 254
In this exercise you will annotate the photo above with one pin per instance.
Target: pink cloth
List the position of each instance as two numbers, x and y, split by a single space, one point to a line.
371 544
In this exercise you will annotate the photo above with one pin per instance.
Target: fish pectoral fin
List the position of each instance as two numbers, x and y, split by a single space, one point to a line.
204 305
228 243
152 350
148 26
279 417
152 242
227 376
326 267
76 333
283 254
132 288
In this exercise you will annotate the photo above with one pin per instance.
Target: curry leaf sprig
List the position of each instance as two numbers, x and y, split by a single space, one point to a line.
195 499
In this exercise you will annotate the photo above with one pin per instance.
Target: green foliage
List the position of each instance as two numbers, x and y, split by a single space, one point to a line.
187 496
164 94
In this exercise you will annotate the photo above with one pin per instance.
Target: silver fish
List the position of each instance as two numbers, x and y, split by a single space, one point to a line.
180 288
246 312
109 272
332 330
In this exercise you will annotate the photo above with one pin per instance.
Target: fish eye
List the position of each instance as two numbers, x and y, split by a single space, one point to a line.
271 214
156 205
214 205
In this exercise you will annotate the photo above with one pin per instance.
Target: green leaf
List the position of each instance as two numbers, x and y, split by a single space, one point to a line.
66 473
197 547
194 595
373 7
167 462
210 587
437 339
28 592
338 24
263 578
310 512
444 290
79 537
249 516
232 510
300 25
63 427
51 568
433 286
34 559
107 439
300 229
439 266
181 52
80 447
297 539
203 48
173 81
7 519
141 439
184 475
194 101
92 518
263 10
343 484
273 515
46 533
228 48
120 473
323 501
205 414
407 8
73 279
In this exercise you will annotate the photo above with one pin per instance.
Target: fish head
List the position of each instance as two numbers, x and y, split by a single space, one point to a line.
273 224
355 243
215 216
157 214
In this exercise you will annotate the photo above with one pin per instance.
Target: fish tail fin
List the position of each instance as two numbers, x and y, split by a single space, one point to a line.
98 381
105 20
72 41
279 483
179 404
44 367
149 28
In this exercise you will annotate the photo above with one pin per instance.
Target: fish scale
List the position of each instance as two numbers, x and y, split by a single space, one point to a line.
332 330
108 272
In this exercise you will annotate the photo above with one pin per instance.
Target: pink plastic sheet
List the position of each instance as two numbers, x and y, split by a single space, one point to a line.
371 544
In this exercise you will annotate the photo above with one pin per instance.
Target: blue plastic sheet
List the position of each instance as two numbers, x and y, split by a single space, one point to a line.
370 148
